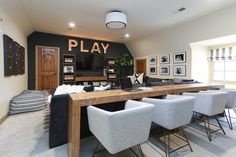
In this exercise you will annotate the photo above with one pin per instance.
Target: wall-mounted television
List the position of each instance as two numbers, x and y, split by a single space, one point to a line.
89 64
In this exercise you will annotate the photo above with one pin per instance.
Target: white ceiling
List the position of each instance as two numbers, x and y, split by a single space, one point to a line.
144 16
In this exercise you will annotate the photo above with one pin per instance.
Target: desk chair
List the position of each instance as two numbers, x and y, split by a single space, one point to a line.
124 129
172 112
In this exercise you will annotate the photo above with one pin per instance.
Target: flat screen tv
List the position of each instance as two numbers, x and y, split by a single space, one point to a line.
89 64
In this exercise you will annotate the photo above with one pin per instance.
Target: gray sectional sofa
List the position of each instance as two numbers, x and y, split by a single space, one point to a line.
149 81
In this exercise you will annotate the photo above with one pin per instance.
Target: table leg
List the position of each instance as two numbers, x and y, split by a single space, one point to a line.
74 129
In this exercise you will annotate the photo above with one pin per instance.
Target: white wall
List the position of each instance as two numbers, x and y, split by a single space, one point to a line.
13 85
200 65
179 37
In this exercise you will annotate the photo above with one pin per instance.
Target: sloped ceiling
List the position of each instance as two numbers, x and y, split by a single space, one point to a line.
144 17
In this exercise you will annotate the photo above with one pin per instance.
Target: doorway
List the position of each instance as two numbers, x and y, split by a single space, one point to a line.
141 66
47 67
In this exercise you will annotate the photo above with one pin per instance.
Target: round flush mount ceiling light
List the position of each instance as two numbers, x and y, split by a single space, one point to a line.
116 20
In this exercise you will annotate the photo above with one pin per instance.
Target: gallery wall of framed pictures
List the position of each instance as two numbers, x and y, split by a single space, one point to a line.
168 64
14 57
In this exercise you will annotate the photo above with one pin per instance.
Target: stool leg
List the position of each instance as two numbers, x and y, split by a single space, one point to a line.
140 150
227 119
164 135
207 129
220 125
168 148
182 130
230 122
96 148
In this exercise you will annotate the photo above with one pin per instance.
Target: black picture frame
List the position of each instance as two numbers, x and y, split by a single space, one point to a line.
165 59
179 57
152 60
152 70
179 70
164 70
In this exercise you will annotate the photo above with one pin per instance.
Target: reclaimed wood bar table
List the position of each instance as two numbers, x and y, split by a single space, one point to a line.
79 100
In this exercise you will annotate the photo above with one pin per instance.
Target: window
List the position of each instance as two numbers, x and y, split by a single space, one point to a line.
224 70
223 62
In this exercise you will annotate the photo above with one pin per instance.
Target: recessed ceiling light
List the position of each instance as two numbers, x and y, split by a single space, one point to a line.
181 9
127 35
72 24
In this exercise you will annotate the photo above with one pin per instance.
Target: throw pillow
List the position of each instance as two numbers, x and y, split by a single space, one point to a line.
132 78
138 78
89 88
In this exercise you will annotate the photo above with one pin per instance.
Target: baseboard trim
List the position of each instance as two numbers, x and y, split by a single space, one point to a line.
2 119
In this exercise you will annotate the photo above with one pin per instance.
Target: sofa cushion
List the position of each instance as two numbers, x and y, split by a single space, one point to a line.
160 83
188 80
88 88
68 89
150 79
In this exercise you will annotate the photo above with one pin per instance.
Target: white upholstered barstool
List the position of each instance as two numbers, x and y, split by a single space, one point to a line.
172 112
124 129
209 105
230 103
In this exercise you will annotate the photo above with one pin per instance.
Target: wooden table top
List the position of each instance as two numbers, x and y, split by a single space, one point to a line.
100 97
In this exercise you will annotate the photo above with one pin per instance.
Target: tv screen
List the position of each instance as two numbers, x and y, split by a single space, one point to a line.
89 64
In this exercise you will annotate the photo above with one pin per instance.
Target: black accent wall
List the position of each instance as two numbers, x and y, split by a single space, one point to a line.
61 41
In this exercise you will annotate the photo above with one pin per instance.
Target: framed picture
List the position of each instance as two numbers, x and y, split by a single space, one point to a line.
17 61
164 70
152 70
9 56
22 60
179 70
152 60
165 59
180 57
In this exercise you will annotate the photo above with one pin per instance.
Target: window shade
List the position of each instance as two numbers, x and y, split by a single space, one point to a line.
222 54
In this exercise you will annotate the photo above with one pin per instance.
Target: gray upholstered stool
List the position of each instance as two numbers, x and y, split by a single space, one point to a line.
209 105
172 112
124 129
